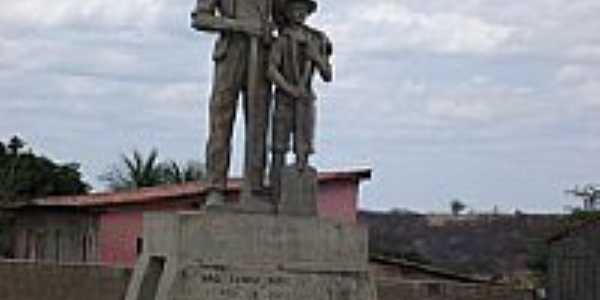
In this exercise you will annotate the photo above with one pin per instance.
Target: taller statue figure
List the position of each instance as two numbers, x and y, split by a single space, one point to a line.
240 57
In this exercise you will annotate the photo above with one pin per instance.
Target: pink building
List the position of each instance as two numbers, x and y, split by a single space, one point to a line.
107 228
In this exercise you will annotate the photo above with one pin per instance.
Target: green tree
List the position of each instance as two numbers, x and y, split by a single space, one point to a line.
139 171
457 207
25 175
15 145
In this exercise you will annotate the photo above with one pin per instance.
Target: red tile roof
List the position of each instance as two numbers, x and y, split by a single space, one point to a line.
166 192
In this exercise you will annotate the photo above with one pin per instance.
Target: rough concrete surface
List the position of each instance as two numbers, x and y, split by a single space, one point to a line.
299 190
213 256
250 239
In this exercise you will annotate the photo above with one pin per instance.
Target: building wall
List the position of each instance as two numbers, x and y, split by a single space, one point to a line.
35 281
118 236
112 234
121 230
574 267
338 200
56 235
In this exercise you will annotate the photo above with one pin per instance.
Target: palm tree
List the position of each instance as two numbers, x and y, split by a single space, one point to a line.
135 172
174 173
138 171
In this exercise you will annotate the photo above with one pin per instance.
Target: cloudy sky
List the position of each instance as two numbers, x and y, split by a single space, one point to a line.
494 102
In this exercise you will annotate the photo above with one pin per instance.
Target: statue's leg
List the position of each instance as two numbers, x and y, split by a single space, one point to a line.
304 132
281 131
222 113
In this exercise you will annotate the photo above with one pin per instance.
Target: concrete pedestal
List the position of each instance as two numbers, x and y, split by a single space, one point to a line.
220 255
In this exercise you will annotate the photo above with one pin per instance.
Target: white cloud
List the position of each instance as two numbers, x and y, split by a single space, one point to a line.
109 13
585 52
179 98
398 27
580 84
483 102
572 73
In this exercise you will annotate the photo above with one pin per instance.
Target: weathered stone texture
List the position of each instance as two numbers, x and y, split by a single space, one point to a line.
201 282
221 255
247 239
298 192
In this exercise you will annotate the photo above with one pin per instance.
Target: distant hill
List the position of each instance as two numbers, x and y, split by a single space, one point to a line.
476 244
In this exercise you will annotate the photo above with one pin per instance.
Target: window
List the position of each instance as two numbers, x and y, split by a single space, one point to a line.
139 246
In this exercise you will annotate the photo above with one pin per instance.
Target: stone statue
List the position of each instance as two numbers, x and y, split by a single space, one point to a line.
240 58
296 54
253 254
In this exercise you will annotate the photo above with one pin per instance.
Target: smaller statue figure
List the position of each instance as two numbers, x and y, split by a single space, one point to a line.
296 54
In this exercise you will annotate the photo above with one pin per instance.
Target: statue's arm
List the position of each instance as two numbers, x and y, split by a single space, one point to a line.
206 17
320 51
275 62
325 69
281 82
322 62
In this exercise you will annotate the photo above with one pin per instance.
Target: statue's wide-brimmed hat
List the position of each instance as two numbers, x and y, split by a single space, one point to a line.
312 5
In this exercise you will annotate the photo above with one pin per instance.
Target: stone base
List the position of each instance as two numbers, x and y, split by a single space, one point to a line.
253 203
214 256
299 191
218 283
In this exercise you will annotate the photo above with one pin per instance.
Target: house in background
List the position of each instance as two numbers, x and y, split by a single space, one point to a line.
574 264
107 228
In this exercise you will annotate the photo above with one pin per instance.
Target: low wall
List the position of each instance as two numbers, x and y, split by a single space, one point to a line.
21 280
438 290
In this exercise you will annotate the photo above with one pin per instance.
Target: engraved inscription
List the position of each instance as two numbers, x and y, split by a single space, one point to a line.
210 284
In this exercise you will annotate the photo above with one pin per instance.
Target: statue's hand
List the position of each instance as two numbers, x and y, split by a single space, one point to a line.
296 92
301 94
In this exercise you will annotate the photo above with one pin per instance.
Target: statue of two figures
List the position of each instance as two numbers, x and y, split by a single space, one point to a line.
264 45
